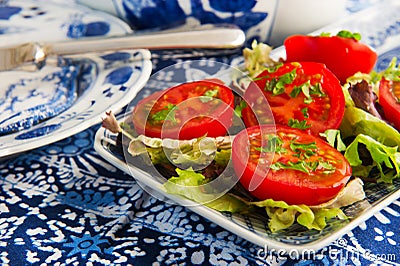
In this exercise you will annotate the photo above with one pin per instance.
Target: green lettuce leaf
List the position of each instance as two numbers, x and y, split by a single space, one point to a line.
384 157
257 58
185 153
357 121
381 140
283 215
188 184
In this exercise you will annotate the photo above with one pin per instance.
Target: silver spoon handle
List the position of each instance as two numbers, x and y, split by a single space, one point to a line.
217 38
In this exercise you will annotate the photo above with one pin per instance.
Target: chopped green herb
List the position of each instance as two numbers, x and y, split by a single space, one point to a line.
317 90
295 123
299 166
274 68
167 114
274 144
307 90
325 34
304 111
305 167
303 149
327 166
208 95
295 92
277 86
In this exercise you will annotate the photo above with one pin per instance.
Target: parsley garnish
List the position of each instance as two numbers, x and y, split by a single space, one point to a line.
305 167
274 144
295 123
304 111
208 95
168 114
307 89
274 68
277 85
300 166
303 150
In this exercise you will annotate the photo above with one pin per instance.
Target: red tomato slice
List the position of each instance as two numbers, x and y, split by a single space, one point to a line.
187 111
343 56
299 169
389 99
304 95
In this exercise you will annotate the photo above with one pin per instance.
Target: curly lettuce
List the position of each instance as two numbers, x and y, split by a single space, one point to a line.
281 215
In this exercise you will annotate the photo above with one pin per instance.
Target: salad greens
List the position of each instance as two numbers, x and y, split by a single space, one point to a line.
185 153
370 134
188 183
257 58
368 143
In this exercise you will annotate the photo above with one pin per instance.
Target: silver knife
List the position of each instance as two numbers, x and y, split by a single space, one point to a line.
29 54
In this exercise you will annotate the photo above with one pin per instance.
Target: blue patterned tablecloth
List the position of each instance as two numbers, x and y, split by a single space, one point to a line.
63 204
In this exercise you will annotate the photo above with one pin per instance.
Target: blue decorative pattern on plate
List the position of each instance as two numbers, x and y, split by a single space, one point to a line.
381 36
25 21
27 99
99 82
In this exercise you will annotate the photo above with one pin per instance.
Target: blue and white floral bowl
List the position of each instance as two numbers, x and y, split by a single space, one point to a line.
265 20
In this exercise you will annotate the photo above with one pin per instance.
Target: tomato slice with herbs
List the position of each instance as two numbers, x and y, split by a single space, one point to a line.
288 164
186 111
303 95
344 56
389 99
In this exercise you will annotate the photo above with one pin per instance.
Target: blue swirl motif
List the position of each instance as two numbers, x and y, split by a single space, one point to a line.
76 28
146 14
49 106
6 12
119 76
386 58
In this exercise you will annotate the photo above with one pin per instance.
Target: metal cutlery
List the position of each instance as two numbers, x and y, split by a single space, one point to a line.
33 55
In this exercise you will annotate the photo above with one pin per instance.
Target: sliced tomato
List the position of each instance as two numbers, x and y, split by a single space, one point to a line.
288 164
389 99
186 111
303 94
343 56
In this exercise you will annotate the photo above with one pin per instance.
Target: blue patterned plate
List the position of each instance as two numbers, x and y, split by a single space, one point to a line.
42 21
66 97
384 36
58 101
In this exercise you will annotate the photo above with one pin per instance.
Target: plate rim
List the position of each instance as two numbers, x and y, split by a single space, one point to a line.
68 129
